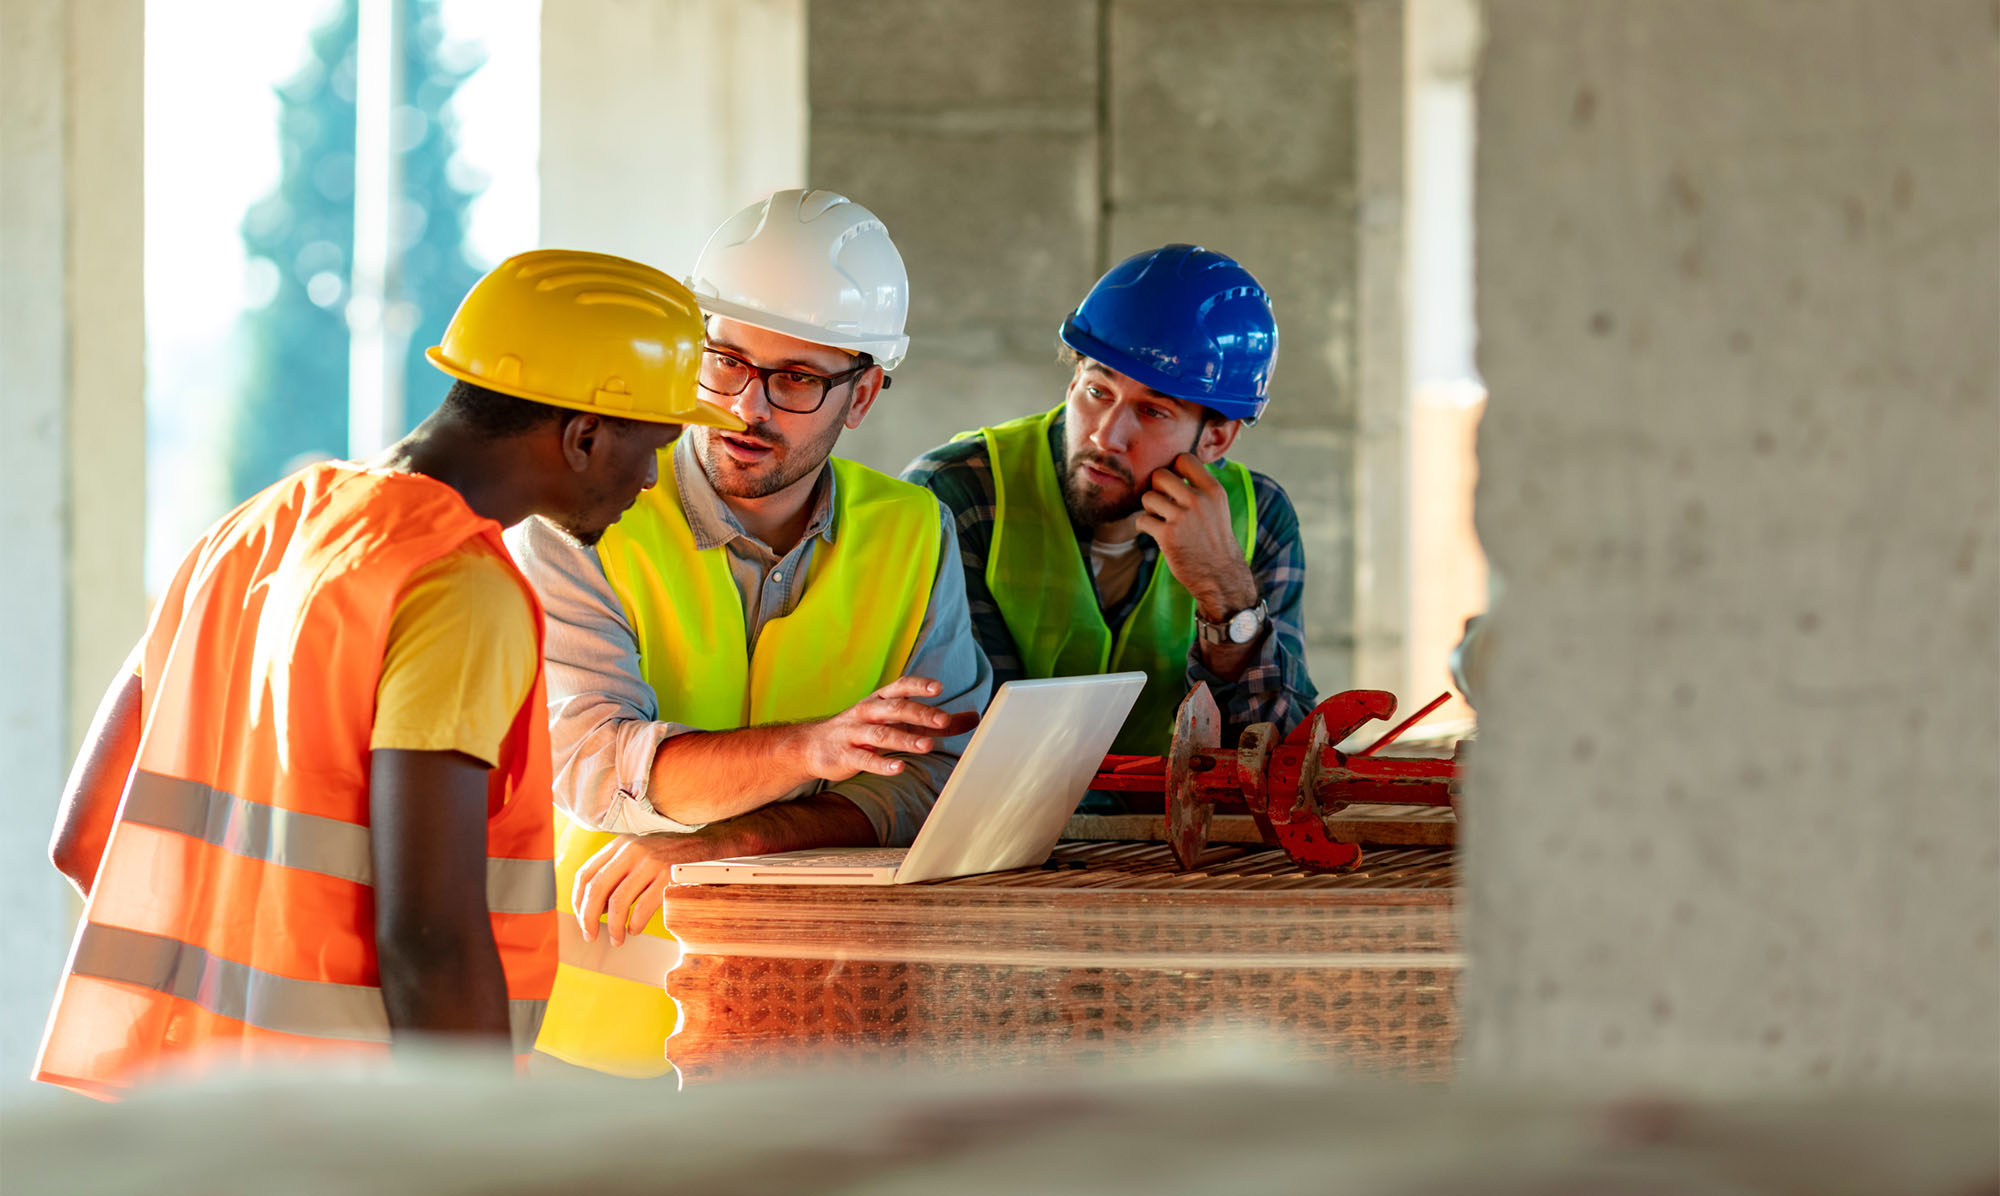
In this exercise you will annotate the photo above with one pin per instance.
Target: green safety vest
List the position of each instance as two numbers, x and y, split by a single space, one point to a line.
851 633
1042 585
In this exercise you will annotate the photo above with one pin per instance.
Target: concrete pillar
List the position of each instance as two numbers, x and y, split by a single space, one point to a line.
1233 125
72 465
1076 133
973 130
1735 813
662 117
1382 409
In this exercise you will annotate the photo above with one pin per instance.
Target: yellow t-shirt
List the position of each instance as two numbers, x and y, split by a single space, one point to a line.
460 659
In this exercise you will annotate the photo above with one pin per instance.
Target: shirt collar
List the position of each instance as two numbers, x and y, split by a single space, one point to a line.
710 518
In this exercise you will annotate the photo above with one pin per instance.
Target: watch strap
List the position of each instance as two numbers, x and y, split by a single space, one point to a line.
1218 633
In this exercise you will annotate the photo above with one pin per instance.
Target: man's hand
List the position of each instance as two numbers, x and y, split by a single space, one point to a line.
710 776
1187 513
626 880
862 737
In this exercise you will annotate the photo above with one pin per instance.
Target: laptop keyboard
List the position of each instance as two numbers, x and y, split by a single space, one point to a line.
872 857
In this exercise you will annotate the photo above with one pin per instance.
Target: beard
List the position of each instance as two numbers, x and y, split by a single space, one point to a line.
582 530
1090 506
600 507
785 465
580 539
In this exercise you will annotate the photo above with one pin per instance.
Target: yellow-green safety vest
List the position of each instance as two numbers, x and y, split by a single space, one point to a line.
1042 585
851 633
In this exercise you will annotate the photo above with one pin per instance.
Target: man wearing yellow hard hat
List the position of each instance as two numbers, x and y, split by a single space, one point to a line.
772 651
315 815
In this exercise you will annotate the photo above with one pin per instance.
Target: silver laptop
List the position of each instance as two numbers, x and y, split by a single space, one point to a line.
1004 807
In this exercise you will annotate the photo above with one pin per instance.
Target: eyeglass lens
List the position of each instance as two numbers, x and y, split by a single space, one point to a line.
788 390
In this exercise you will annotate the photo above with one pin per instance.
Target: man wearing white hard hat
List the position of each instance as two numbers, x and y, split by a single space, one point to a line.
772 651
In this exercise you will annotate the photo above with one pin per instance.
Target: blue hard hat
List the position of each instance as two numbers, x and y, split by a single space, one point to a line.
1185 321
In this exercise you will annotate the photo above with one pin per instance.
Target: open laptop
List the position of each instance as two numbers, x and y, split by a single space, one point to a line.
1005 805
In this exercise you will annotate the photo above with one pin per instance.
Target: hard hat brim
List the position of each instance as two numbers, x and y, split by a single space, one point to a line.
888 351
1104 353
705 413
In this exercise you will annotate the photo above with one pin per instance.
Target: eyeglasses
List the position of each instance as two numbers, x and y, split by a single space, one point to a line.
800 392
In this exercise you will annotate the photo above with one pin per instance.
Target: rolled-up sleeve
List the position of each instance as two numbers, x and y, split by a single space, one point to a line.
946 653
603 727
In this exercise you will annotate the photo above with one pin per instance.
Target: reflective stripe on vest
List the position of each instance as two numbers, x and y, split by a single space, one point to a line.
851 633
306 841
311 1008
1042 585
232 916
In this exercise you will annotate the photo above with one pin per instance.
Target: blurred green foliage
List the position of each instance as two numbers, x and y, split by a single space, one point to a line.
300 240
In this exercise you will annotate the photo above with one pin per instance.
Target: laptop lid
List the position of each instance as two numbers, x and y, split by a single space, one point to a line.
1027 766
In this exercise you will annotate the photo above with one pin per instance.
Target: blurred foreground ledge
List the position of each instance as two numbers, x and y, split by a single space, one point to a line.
1211 1123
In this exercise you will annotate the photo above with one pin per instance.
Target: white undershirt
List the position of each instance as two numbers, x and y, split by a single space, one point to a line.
1115 566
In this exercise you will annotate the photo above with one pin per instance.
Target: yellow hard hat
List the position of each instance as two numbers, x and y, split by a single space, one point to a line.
586 331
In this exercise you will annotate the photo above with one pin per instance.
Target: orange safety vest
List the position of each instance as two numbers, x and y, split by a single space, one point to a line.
232 918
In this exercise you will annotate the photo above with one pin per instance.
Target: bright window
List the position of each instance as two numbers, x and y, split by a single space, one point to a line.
251 197
1448 576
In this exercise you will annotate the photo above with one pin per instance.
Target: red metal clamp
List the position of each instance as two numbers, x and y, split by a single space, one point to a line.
1292 788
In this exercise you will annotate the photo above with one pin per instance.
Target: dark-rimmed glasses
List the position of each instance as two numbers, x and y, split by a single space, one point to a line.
787 388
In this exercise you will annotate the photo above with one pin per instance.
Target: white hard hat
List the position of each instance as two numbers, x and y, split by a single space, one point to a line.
809 264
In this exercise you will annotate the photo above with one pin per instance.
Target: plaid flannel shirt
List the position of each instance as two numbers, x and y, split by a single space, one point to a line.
1274 687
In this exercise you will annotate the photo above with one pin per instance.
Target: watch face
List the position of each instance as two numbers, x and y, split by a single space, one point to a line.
1243 626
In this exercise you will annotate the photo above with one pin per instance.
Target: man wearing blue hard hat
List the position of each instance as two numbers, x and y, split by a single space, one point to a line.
1113 533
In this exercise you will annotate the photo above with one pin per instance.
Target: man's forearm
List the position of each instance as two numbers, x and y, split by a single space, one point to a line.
701 777
623 884
1217 598
709 776
1263 690
440 967
97 784
439 983
817 820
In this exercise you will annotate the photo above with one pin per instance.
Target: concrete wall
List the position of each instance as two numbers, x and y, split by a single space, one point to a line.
662 117
72 463
1735 818
1015 150
987 167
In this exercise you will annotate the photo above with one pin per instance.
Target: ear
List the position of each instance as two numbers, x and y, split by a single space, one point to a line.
1216 437
866 387
582 435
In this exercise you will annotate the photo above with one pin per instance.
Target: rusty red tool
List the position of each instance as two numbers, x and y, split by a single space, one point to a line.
1291 787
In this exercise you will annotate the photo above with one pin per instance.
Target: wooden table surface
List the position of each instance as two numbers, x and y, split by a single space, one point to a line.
1111 951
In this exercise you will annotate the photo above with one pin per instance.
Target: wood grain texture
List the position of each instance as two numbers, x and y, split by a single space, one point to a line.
1111 953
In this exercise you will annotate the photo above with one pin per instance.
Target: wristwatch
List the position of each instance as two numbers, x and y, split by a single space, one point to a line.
1239 628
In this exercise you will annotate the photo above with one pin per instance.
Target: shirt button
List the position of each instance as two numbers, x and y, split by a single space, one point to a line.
777 575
